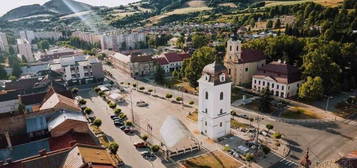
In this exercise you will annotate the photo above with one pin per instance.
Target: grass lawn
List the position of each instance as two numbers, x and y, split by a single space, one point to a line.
235 124
328 3
193 116
237 94
299 113
215 159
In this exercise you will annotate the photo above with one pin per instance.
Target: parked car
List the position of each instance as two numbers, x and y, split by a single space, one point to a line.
264 133
113 116
147 154
141 104
122 127
118 123
140 145
243 116
128 130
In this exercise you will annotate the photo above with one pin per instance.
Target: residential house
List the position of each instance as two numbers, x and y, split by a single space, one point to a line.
242 63
4 45
117 41
25 50
78 69
56 53
133 64
171 61
281 79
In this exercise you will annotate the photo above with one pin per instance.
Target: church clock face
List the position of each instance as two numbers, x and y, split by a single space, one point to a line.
222 77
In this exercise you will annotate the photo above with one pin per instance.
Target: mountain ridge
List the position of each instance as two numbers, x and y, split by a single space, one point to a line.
52 7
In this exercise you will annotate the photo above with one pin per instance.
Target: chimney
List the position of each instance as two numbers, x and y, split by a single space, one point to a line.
42 152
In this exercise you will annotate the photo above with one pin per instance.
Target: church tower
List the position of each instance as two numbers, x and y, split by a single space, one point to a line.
214 101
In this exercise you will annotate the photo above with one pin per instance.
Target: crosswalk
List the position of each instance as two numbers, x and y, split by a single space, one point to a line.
284 163
350 122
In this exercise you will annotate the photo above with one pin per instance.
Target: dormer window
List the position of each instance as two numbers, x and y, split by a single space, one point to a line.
207 77
222 78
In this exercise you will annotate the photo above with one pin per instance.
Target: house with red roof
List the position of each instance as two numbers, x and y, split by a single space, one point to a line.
242 63
281 79
171 61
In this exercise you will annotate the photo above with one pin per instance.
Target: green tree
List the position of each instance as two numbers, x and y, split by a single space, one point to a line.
180 42
75 91
265 101
277 24
113 148
159 75
199 40
43 45
312 89
269 24
269 127
3 74
200 58
97 122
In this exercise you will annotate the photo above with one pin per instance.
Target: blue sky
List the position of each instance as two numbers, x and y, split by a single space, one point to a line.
7 5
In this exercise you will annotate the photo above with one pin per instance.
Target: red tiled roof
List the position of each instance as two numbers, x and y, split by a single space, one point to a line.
161 61
176 57
251 55
69 139
32 98
282 73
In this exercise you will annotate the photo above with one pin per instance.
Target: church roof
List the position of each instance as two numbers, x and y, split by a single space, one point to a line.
214 70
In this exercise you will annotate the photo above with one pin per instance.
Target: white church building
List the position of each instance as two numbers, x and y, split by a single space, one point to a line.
214 101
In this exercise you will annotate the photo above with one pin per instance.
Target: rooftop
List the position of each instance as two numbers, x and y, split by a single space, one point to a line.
280 72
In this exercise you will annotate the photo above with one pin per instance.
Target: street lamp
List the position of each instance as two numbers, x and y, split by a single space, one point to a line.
327 102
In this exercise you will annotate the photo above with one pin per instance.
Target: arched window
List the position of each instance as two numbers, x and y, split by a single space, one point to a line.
220 124
221 96
221 111
206 95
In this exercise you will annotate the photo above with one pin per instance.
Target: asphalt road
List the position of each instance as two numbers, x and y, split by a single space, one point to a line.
127 151
326 141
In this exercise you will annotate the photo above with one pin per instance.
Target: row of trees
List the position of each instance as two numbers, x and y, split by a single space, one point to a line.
330 63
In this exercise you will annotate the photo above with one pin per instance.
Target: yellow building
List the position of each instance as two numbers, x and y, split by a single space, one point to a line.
242 63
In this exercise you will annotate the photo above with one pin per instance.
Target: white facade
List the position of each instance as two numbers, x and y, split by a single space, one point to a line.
214 106
25 50
31 35
4 45
277 89
78 69
122 41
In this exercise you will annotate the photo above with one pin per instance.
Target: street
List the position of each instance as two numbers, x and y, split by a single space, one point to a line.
326 140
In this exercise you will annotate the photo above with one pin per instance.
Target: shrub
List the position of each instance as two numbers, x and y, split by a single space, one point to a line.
134 85
179 98
97 122
129 123
88 110
128 83
142 88
155 148
96 89
75 91
249 157
226 148
265 149
112 105
122 116
150 90
121 83
117 111
101 93
191 102
82 102
113 148
168 96
145 137
277 135
233 113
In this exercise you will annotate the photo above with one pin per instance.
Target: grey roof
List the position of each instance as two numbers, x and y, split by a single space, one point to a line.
214 70
173 131
63 116
36 124
24 150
